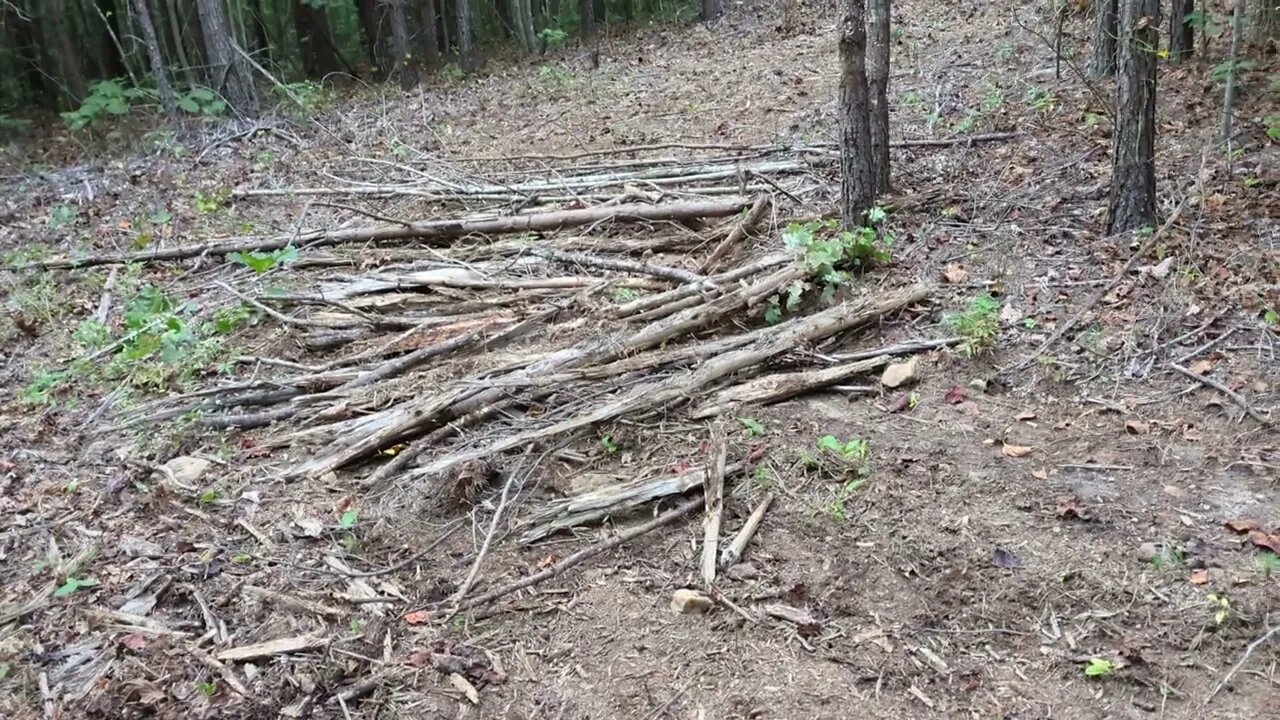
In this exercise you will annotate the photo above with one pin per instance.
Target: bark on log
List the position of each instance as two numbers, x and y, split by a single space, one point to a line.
422 230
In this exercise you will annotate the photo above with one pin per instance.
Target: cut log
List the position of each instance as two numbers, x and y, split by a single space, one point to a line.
421 230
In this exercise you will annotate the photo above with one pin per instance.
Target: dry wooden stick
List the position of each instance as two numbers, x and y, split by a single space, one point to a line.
709 285
780 386
735 236
291 602
733 553
472 574
1243 659
1236 397
423 229
713 495
586 553
1071 323
629 266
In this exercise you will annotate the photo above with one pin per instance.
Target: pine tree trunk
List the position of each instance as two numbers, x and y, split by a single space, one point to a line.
319 57
878 85
159 72
428 39
56 34
261 33
178 42
1103 60
1181 35
1133 175
856 181
467 57
229 73
587 23
370 14
711 11
405 65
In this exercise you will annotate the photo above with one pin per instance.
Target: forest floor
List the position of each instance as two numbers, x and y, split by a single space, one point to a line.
1031 533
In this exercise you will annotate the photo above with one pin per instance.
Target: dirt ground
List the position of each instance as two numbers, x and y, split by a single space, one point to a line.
1027 516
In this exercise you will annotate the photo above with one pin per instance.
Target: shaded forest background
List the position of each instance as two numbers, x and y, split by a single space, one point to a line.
209 57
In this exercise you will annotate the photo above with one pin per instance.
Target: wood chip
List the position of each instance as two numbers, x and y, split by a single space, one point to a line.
271 648
465 687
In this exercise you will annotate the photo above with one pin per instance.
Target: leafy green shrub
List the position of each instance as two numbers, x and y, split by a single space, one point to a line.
201 101
828 255
261 262
978 325
106 97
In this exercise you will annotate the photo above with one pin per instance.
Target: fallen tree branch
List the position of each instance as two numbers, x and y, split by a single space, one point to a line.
780 386
733 553
1236 397
628 266
713 496
586 553
738 234
423 230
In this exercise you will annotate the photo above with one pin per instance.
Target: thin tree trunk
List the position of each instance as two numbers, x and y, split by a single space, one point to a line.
428 39
229 73
1103 60
405 65
587 23
319 57
53 21
159 72
371 23
467 57
261 33
878 85
856 181
1181 35
711 11
1133 177
1229 94
173 14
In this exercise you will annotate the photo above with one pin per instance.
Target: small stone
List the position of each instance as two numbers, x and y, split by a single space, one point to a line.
899 374
686 602
186 471
978 384
743 571
1149 551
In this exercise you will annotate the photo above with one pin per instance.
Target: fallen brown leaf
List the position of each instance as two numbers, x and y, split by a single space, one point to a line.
1201 367
1069 508
955 395
1265 540
1199 577
1243 525
1016 451
955 274
1137 427
1040 474
417 617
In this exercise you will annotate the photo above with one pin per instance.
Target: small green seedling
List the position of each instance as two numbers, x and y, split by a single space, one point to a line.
1098 667
209 496
207 689
1269 564
853 450
753 426
261 262
354 626
978 324
73 584
608 445
913 399
61 215
1221 607
241 559
348 520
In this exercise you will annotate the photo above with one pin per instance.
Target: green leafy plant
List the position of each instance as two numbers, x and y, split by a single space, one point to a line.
348 520
209 204
608 445
978 324
1269 563
1272 125
1098 667
753 427
553 78
1221 605
209 496
73 584
913 399
40 391
261 262
1041 100
241 559
105 98
453 74
553 37
207 689
828 255
306 97
201 101
60 215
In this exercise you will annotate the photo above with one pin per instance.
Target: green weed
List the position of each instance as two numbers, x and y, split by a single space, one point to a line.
261 262
1098 667
979 324
753 427
828 255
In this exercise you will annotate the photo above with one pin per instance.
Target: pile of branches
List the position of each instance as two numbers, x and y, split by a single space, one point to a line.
460 340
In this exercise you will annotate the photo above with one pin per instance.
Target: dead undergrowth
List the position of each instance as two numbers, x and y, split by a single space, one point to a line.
411 410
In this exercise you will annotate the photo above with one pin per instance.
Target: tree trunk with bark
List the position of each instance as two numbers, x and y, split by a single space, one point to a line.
468 59
1181 35
587 24
878 85
405 65
159 71
55 26
229 73
428 39
856 181
1229 94
1103 60
319 56
711 11
375 37
1133 176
